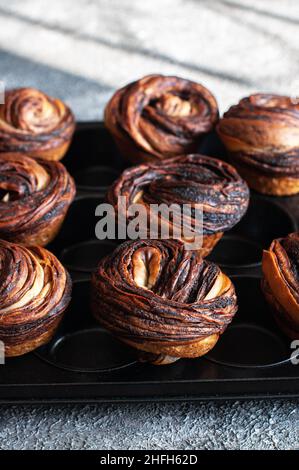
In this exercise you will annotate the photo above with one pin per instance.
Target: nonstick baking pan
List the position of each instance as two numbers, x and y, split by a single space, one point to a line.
84 363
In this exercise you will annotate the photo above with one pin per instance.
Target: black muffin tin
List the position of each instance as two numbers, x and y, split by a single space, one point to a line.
84 363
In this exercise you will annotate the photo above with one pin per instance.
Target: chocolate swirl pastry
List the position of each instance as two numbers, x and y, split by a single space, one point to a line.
162 300
35 195
261 134
280 282
188 179
36 124
158 117
35 290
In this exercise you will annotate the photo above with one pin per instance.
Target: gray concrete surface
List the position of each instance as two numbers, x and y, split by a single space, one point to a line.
81 51
250 425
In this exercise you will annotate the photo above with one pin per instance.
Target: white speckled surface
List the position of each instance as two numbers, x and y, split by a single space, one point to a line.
81 51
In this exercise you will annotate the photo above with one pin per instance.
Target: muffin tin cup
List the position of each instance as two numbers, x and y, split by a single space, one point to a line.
95 178
76 245
93 159
252 340
240 249
80 344
85 256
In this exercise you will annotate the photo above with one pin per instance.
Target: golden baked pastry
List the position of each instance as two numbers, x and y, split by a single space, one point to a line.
163 300
35 290
280 282
158 117
35 124
189 179
261 134
35 195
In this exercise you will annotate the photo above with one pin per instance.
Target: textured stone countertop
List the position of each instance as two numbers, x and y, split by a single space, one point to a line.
81 51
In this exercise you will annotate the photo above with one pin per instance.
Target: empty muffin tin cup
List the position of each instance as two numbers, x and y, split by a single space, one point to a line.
79 224
80 344
252 340
76 245
234 250
242 246
95 178
85 256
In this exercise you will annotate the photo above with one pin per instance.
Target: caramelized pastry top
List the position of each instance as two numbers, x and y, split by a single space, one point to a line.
32 121
157 291
34 290
33 193
263 132
162 116
190 179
